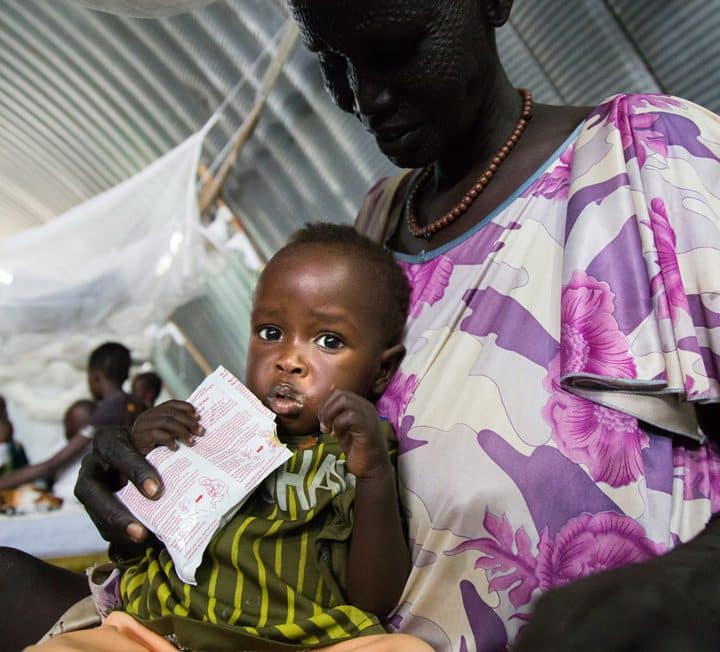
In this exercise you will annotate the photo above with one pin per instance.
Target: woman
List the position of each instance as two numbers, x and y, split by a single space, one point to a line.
555 302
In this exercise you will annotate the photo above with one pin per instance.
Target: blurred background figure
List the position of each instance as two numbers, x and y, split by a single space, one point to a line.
108 368
77 416
12 454
145 389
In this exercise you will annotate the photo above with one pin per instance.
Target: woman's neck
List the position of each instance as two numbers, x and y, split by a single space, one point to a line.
473 151
546 131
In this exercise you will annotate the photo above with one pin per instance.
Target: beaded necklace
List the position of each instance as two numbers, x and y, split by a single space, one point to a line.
471 195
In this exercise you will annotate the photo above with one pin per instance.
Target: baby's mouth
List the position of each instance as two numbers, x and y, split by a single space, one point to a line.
285 401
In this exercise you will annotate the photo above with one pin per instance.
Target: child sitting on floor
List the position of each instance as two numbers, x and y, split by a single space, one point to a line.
318 553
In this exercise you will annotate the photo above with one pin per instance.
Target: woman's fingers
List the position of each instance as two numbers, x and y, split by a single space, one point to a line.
115 449
94 489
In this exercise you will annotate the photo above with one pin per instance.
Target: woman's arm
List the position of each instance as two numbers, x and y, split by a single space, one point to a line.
379 558
69 453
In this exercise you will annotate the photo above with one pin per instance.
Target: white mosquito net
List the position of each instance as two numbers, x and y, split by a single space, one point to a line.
111 268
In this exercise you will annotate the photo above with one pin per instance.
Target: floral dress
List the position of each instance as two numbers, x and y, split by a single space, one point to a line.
541 344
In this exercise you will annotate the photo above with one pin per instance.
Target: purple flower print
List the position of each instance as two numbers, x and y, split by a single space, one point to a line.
636 129
667 283
503 565
607 442
586 544
700 471
428 282
393 403
589 544
556 183
590 339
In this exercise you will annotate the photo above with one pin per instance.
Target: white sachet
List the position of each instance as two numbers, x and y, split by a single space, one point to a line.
206 485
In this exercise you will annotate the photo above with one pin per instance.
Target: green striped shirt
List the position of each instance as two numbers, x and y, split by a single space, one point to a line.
276 571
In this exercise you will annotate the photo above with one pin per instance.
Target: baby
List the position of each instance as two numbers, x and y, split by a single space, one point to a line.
318 553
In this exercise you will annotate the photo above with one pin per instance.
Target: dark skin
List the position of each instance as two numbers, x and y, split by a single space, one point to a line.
424 77
318 362
6 426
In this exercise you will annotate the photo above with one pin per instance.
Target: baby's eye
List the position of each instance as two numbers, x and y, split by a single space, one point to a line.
269 333
329 341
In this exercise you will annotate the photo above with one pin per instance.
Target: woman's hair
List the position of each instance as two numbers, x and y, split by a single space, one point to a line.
375 258
113 360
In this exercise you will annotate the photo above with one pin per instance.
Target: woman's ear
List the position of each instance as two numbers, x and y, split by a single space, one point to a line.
497 12
390 360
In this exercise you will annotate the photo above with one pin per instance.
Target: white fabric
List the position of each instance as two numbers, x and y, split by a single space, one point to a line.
63 533
144 8
107 269
64 485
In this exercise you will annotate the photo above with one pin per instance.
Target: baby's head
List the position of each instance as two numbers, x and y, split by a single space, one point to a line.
329 312
145 389
77 416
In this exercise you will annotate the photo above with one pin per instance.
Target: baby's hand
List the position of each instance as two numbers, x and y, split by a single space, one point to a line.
164 425
354 421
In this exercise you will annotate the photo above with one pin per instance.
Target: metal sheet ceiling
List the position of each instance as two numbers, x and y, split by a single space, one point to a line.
88 98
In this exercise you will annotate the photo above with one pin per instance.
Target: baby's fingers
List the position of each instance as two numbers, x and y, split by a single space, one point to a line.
163 425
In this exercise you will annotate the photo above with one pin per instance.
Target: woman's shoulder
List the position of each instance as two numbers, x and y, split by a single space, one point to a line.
651 127
631 107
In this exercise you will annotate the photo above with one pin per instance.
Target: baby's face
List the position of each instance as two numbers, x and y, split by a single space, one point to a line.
314 327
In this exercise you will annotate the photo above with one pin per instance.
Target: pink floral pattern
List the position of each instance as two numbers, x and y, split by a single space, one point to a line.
637 129
700 470
394 401
667 284
587 544
607 442
428 282
556 183
507 558
590 339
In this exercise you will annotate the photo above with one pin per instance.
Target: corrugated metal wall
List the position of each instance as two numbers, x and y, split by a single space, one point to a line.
87 99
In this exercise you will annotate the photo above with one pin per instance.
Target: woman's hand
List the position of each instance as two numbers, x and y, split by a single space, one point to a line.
118 456
354 421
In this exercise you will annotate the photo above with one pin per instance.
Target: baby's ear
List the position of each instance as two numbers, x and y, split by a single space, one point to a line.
390 360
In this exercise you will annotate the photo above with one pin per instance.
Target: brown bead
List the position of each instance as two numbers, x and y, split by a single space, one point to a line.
473 193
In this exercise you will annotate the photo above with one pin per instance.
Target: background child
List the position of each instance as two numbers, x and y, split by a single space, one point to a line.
145 389
12 453
108 368
318 553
